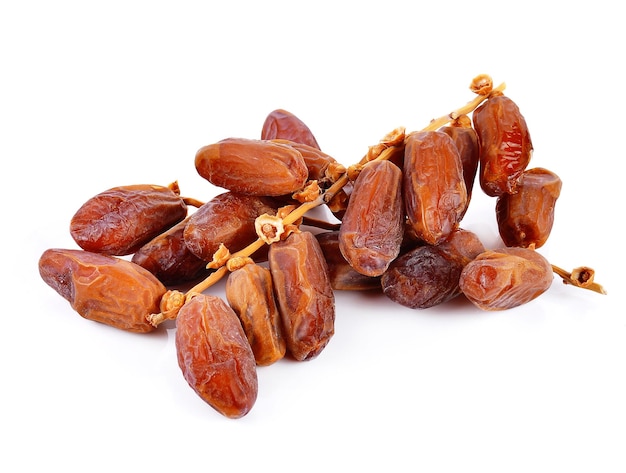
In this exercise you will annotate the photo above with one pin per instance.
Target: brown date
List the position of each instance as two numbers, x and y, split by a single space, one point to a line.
505 145
215 357
526 217
466 141
250 293
343 277
434 190
321 166
428 275
120 220
169 259
227 218
505 278
103 288
372 227
285 125
252 167
304 294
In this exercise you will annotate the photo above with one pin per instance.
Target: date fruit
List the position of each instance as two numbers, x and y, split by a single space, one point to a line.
252 167
526 217
434 190
304 294
428 275
505 145
372 227
120 220
169 259
285 125
215 357
227 218
505 278
103 288
250 293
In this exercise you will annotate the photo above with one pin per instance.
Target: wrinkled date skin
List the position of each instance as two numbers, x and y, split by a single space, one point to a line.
285 125
250 293
505 278
429 275
169 259
343 277
227 218
526 217
304 294
435 196
252 167
215 357
372 227
103 288
122 219
466 141
505 145
317 162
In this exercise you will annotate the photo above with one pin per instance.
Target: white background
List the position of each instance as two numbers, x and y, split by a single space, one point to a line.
95 95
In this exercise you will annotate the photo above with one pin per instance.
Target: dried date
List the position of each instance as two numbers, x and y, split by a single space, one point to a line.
250 293
526 217
434 190
252 167
103 288
304 294
372 227
120 220
505 145
215 357
285 125
505 278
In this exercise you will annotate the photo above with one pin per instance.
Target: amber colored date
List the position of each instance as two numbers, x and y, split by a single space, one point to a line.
304 294
285 125
215 357
252 167
119 220
505 145
103 288
505 278
227 218
526 217
435 196
169 259
428 275
466 141
343 277
372 227
250 293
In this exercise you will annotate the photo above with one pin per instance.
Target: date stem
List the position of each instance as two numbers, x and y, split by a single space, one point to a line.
581 277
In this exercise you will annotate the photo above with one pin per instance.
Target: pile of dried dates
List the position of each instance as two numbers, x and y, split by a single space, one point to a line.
396 229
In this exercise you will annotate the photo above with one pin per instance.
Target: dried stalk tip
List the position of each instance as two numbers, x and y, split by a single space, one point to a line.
311 192
220 257
269 228
238 262
334 171
393 138
482 84
171 303
174 187
580 277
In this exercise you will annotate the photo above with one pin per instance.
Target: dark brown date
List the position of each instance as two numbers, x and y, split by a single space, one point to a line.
285 125
227 218
304 294
215 357
505 145
343 277
526 217
505 278
103 288
372 227
250 293
169 259
435 196
122 219
252 167
429 275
